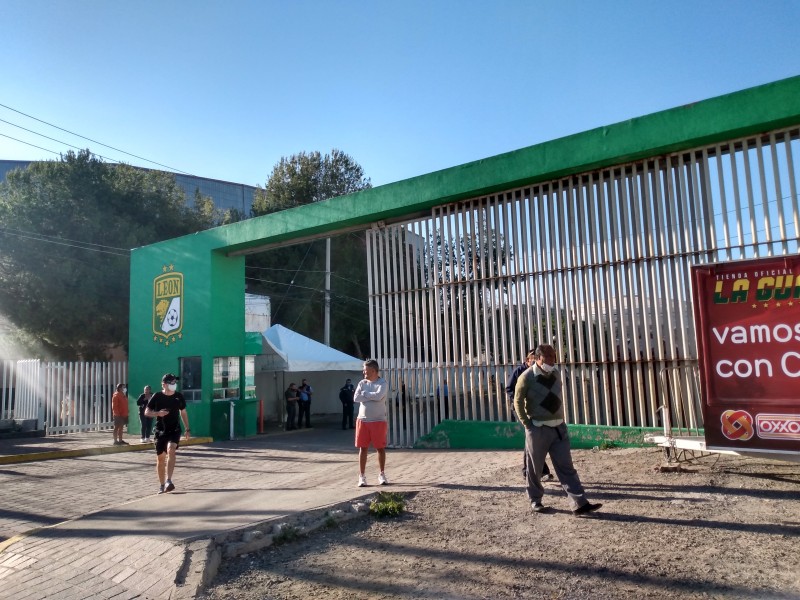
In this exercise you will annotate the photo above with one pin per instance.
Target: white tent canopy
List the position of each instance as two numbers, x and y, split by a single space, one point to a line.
292 352
290 357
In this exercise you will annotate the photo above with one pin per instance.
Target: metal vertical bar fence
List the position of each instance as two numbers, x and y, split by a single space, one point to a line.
596 264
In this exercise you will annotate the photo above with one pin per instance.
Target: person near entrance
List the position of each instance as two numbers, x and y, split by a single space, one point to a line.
119 412
146 422
306 392
511 384
291 395
371 425
346 398
169 408
540 409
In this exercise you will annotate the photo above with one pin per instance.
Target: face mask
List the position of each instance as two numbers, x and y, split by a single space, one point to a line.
547 368
172 387
124 390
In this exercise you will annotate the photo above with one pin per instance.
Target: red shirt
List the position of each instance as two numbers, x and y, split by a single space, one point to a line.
119 405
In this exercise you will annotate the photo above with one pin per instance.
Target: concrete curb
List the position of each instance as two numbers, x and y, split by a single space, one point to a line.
203 557
96 451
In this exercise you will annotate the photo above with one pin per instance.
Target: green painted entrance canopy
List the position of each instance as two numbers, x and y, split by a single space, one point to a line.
187 294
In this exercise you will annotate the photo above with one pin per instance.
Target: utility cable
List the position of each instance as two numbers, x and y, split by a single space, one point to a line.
125 254
94 141
300 266
28 143
53 140
62 239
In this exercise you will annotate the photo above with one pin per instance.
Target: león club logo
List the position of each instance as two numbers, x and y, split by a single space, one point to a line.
168 306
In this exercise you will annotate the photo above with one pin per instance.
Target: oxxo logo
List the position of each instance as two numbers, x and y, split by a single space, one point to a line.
168 306
737 425
777 427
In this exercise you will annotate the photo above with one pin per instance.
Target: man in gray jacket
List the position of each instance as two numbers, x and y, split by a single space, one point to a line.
539 407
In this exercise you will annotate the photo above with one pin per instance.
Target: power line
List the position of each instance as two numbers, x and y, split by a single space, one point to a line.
333 273
58 237
94 141
52 139
53 241
29 144
319 289
300 266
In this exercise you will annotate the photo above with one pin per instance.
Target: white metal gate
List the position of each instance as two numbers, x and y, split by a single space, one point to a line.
64 397
596 264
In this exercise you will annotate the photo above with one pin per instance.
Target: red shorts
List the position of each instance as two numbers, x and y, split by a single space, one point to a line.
371 432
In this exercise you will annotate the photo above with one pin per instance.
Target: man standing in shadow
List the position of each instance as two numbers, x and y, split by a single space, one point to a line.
346 398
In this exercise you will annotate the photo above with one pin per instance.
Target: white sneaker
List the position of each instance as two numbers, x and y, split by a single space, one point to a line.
142 441
362 480
382 479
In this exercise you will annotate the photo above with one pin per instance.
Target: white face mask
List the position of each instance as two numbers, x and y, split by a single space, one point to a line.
172 387
547 368
124 390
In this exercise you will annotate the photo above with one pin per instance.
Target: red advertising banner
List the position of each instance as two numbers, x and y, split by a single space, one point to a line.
747 315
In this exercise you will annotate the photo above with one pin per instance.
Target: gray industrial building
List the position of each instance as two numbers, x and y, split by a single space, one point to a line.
225 194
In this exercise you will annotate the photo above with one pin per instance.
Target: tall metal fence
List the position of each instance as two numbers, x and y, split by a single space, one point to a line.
597 264
64 397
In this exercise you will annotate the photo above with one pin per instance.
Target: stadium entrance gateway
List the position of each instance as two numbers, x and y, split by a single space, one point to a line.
586 242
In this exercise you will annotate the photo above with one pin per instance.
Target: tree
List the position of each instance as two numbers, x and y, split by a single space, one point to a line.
294 276
306 178
67 230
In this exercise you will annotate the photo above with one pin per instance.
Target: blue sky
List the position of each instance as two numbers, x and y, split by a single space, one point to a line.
225 89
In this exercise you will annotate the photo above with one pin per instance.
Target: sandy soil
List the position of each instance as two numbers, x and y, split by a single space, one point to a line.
724 527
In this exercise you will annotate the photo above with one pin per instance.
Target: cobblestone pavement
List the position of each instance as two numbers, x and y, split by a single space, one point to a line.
93 527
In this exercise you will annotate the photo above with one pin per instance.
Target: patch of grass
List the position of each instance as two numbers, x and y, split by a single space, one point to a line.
330 522
288 534
608 445
387 504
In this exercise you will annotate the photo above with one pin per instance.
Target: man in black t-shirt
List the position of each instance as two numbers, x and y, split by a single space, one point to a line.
169 408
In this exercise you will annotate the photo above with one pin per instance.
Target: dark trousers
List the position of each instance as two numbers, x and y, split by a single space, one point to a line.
305 409
147 424
347 414
291 415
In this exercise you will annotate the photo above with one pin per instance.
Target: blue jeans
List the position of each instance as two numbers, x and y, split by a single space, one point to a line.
147 425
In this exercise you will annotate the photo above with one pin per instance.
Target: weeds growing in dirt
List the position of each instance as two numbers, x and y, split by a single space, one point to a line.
330 522
288 534
387 504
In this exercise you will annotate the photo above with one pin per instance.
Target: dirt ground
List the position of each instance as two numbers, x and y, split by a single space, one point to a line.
725 527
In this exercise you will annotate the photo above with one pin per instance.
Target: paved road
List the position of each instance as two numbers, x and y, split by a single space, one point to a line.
93 527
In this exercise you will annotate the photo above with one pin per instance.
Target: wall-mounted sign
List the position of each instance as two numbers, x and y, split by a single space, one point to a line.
748 337
168 306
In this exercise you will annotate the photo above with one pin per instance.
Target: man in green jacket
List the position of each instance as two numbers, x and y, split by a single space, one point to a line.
540 409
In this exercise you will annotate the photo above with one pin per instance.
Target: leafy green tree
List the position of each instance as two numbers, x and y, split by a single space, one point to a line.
294 276
309 177
207 212
67 230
